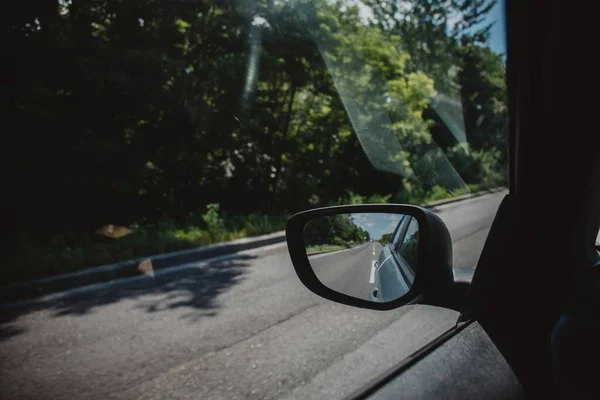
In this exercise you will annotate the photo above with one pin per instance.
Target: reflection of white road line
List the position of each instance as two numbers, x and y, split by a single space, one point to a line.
373 251
381 265
373 268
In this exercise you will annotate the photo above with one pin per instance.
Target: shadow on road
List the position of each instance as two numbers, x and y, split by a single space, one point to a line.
9 331
195 288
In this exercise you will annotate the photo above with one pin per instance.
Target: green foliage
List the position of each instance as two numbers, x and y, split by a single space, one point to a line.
322 248
214 222
385 238
256 224
338 230
437 193
410 248
197 122
355 198
60 254
482 80
480 170
429 37
484 168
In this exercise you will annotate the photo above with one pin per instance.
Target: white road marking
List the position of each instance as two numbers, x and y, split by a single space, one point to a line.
373 268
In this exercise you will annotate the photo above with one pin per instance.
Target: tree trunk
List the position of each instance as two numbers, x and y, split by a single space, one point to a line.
285 129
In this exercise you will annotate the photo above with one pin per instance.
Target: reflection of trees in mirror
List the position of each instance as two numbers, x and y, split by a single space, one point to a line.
323 248
385 238
333 232
409 249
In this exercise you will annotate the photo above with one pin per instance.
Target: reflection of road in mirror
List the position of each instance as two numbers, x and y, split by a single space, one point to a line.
370 256
351 271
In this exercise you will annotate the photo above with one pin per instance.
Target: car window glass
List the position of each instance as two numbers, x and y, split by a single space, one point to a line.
409 246
399 229
398 234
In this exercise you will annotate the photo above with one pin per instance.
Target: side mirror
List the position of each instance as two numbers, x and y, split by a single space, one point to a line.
376 256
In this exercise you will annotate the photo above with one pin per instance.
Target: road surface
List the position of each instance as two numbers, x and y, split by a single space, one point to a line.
241 327
351 271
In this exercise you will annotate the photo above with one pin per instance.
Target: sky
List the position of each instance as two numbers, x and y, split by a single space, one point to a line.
498 32
496 15
377 223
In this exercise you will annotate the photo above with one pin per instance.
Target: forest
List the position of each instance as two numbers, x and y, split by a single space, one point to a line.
333 232
187 123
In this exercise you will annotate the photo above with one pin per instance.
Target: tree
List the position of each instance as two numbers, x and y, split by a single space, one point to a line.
482 79
431 30
149 109
335 230
385 238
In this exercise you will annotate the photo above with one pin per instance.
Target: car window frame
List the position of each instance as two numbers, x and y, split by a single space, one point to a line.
402 232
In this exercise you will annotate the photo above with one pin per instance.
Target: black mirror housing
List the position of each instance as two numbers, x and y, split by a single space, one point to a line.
434 274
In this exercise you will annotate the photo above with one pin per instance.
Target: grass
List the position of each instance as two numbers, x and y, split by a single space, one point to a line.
439 193
71 252
323 248
76 251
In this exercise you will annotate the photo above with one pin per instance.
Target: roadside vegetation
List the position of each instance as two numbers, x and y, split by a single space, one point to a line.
72 251
333 233
323 248
206 121
385 239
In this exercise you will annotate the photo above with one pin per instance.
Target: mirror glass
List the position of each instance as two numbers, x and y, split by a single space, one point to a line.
371 256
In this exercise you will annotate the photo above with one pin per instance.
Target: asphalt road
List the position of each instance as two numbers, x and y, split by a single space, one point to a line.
348 271
239 327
